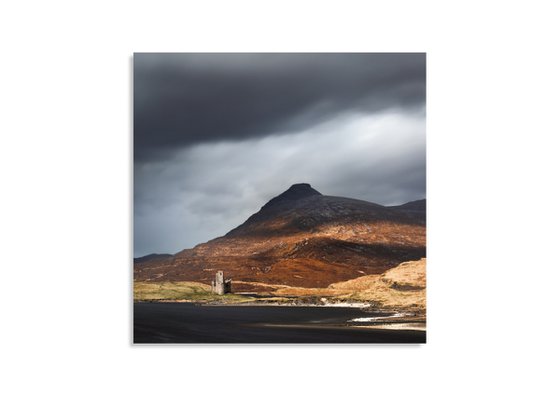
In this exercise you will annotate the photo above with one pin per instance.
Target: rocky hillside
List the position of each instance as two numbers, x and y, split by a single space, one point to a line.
303 238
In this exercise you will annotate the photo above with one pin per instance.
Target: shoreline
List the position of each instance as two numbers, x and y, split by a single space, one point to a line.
265 304
397 326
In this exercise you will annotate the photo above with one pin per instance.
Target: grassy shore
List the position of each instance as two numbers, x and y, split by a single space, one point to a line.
183 291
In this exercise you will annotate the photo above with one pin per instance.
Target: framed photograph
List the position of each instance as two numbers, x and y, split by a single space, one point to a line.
279 198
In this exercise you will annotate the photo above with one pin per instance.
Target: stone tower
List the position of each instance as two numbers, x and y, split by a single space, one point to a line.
221 286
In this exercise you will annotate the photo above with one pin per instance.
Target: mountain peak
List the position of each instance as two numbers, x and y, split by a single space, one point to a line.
295 192
303 188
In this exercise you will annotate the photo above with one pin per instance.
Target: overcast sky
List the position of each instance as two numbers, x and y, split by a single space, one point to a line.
218 135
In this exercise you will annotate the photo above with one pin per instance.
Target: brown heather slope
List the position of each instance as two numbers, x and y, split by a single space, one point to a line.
401 287
305 239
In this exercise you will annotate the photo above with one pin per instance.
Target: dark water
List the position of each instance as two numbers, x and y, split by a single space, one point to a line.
188 323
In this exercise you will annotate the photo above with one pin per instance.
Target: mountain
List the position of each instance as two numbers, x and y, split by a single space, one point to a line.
302 238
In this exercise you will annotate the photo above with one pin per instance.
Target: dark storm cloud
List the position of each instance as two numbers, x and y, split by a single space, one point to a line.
183 99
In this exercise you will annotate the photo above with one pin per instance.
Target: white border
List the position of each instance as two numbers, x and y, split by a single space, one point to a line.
493 86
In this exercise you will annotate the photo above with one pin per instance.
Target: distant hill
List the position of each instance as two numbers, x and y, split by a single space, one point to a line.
151 257
303 238
414 207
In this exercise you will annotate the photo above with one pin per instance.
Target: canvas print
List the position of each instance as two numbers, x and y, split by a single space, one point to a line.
279 198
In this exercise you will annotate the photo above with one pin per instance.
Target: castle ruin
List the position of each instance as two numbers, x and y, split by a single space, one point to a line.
221 286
